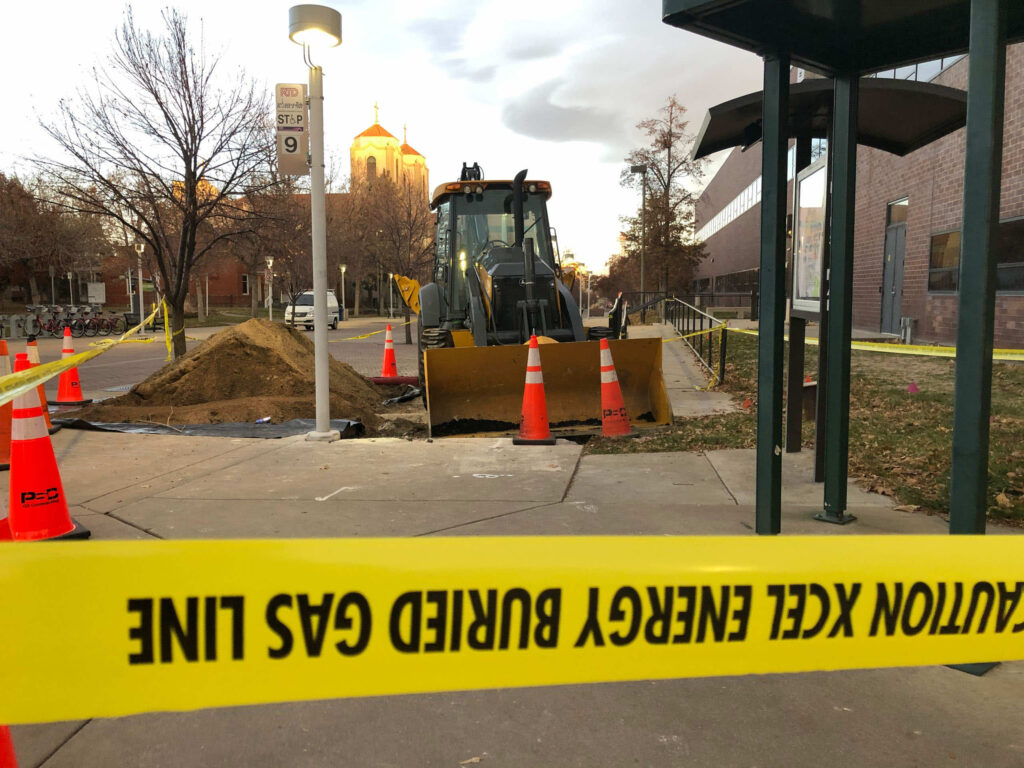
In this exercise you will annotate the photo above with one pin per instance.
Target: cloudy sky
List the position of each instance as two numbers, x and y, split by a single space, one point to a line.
556 87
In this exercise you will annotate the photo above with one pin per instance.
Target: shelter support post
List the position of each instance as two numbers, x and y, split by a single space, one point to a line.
972 397
837 404
795 385
768 506
797 326
820 415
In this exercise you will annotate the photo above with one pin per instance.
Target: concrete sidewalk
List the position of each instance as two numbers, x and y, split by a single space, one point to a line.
685 379
142 487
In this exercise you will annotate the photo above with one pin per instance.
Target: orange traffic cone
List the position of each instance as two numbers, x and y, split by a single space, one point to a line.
69 390
32 350
533 425
7 756
5 418
389 368
38 508
614 419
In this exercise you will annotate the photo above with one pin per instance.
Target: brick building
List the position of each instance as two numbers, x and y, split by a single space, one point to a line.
914 202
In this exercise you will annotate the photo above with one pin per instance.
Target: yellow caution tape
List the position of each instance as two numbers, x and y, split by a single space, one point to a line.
372 333
105 629
709 331
167 333
15 384
927 350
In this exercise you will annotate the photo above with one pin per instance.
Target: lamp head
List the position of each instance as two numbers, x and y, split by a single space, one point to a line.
314 25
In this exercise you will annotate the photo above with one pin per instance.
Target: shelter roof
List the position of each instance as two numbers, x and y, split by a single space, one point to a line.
830 36
896 116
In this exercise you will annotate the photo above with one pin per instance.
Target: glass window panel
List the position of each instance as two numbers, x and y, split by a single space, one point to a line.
810 227
945 251
1010 277
1010 252
897 211
1010 242
943 279
944 262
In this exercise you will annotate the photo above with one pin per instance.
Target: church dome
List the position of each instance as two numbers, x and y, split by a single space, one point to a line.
376 130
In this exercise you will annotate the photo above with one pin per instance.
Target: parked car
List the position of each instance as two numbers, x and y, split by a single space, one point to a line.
304 310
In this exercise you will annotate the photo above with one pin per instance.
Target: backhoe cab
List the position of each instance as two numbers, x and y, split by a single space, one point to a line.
496 270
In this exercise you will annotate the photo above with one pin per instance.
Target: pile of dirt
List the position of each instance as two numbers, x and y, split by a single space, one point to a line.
243 373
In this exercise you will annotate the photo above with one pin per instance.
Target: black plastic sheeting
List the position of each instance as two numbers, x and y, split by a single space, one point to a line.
346 427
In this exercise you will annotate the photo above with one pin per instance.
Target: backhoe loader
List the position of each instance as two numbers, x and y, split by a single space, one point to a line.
496 280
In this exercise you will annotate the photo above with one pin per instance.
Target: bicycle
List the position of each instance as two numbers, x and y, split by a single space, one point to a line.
33 319
91 324
60 319
113 323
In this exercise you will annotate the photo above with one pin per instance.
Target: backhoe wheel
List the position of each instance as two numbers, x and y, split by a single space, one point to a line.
430 338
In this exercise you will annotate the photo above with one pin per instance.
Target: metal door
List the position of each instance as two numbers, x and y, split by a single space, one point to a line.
892 277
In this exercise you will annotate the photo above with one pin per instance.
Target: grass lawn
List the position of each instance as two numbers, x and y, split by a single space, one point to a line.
228 316
900 443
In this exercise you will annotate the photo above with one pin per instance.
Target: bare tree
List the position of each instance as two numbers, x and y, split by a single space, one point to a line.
35 235
164 143
396 226
671 254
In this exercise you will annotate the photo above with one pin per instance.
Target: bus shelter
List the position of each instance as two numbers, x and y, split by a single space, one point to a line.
895 116
843 40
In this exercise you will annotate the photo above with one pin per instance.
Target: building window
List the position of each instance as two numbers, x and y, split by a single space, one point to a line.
245 285
944 261
896 212
371 167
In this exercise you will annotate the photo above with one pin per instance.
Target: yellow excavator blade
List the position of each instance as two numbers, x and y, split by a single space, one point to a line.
479 390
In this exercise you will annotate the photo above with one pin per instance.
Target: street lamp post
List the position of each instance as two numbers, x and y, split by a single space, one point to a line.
642 170
139 248
344 267
270 288
320 26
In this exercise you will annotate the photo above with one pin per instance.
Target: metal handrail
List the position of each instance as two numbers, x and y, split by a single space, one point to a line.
699 331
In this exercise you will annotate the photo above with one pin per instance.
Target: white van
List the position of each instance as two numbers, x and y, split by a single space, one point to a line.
304 310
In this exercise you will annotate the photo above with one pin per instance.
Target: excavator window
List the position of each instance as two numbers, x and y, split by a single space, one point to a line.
485 220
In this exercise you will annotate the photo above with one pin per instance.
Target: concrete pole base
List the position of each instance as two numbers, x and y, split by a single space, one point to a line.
324 437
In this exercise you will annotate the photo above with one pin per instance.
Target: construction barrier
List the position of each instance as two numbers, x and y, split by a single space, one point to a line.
117 628
1006 355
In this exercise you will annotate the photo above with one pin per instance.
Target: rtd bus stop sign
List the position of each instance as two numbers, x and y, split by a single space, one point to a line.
292 128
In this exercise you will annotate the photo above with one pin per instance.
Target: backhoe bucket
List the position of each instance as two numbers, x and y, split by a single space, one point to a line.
479 390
